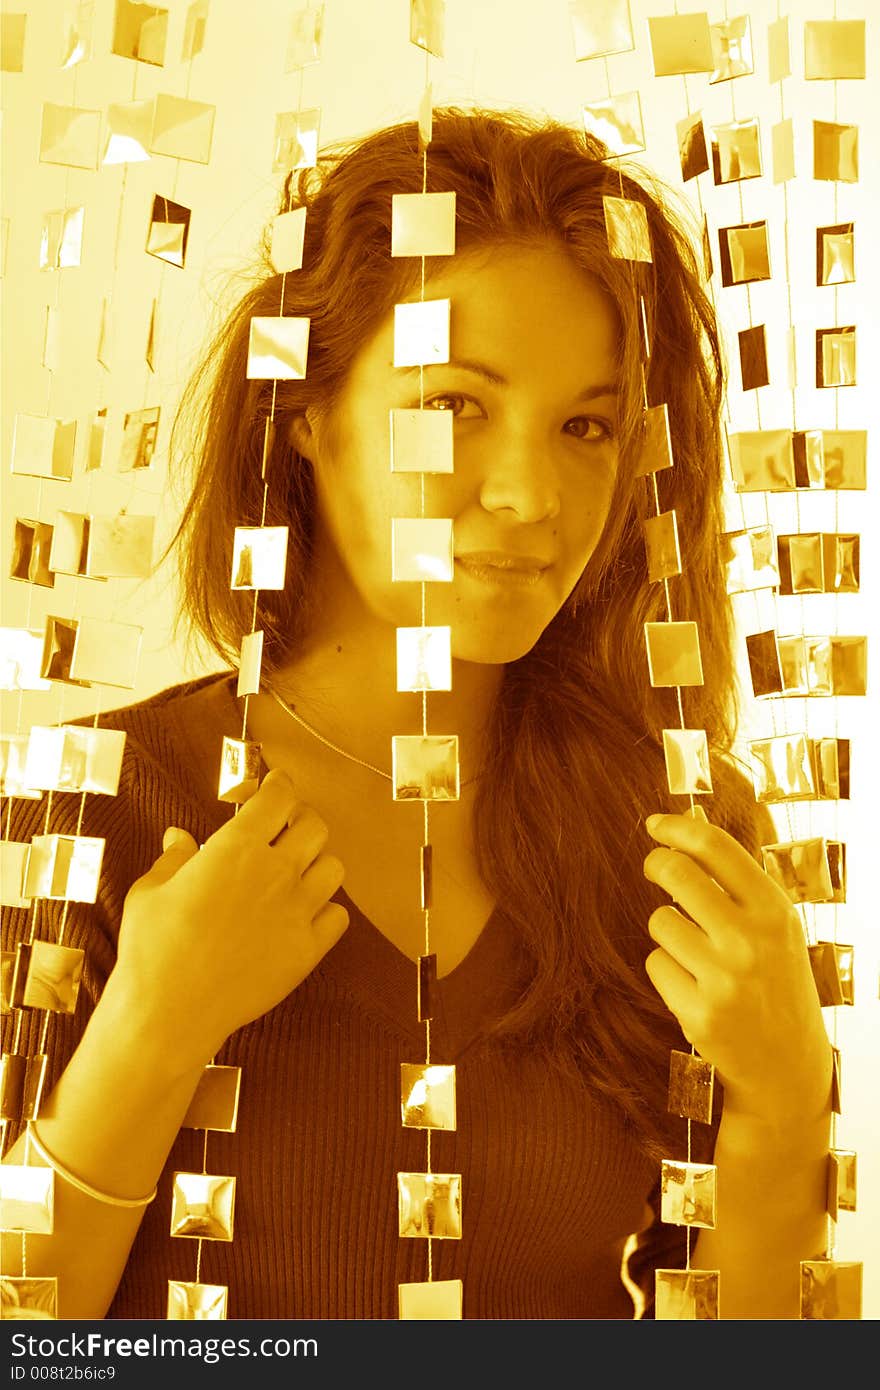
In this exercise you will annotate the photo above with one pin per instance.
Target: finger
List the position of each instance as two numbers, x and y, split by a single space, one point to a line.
267 812
676 986
684 941
331 922
303 840
321 880
727 861
689 885
178 847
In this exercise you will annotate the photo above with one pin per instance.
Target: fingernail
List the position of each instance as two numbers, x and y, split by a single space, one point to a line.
651 822
171 836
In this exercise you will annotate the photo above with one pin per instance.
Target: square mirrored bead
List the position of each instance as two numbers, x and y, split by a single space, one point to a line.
736 151
662 546
422 224
427 1096
47 976
599 30
424 658
421 549
421 332
691 1087
626 226
832 965
27 1199
295 143
425 768
680 44
202 1206
27 1298
831 1289
422 441
744 253
215 1102
64 867
436 1299
835 152
686 752
673 654
801 868
656 450
259 557
278 348
429 1205
617 122
686 1294
240 764
196 1302
687 1193
834 49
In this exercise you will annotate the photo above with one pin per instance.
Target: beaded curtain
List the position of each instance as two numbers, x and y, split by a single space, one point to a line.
143 185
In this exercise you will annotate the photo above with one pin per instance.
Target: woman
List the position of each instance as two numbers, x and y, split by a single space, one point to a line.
566 974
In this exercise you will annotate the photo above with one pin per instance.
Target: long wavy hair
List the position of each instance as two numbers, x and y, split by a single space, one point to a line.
575 758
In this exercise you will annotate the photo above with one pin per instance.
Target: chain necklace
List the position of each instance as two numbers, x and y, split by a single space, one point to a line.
335 746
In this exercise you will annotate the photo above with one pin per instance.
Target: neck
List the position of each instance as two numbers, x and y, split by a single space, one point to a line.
343 682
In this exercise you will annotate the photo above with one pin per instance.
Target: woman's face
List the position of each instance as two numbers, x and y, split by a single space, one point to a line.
531 385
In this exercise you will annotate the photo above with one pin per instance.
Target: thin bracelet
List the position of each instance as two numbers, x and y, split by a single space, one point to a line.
78 1183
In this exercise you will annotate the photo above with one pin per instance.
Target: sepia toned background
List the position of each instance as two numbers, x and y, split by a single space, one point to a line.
499 53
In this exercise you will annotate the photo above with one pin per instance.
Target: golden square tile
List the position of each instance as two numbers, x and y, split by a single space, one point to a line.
182 129
783 768
801 869
831 762
194 30
437 1299
778 50
832 965
841 563
250 664
168 232
259 557
744 253
288 240
686 752
662 546
106 653
426 118
835 152
782 148
836 356
425 768
47 976
841 1182
845 456
12 1073
202 1206
831 1289
13 754
656 451
139 431
61 238
196 1302
278 348
140 32
849 665
421 549
421 332
69 135
427 1096
120 546
129 131
75 758
680 44
427 25
673 654
70 541
835 254
21 659
599 30
808 450
31 551
800 563
693 152
626 226
686 1294
58 648
691 1087
750 559
834 49
423 224
427 979
43 447
762 460
765 663
687 1193
422 441
215 1102
27 1199
731 49
424 658
12 38
754 371
736 151
617 122
429 1204
13 861
240 763
306 33
64 867
296 140
426 886
22 1297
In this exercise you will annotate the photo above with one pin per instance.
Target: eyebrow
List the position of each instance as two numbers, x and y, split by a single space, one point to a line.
590 393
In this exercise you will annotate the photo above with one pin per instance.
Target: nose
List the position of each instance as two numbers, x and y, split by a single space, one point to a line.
519 479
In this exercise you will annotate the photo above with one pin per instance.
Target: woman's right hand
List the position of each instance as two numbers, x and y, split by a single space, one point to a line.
212 938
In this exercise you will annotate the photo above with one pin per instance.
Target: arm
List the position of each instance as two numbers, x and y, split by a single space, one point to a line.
735 971
210 939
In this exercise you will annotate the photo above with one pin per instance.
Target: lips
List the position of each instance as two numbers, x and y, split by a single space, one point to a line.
503 560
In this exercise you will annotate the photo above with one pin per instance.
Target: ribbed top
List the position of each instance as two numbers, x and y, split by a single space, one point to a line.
552 1183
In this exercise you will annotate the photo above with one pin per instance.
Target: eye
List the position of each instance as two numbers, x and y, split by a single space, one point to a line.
455 403
588 428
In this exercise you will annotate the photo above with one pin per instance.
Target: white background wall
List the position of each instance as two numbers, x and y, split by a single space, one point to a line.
498 53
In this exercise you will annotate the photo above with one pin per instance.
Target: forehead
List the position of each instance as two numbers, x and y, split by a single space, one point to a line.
530 312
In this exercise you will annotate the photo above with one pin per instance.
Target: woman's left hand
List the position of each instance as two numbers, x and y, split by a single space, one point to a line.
736 973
